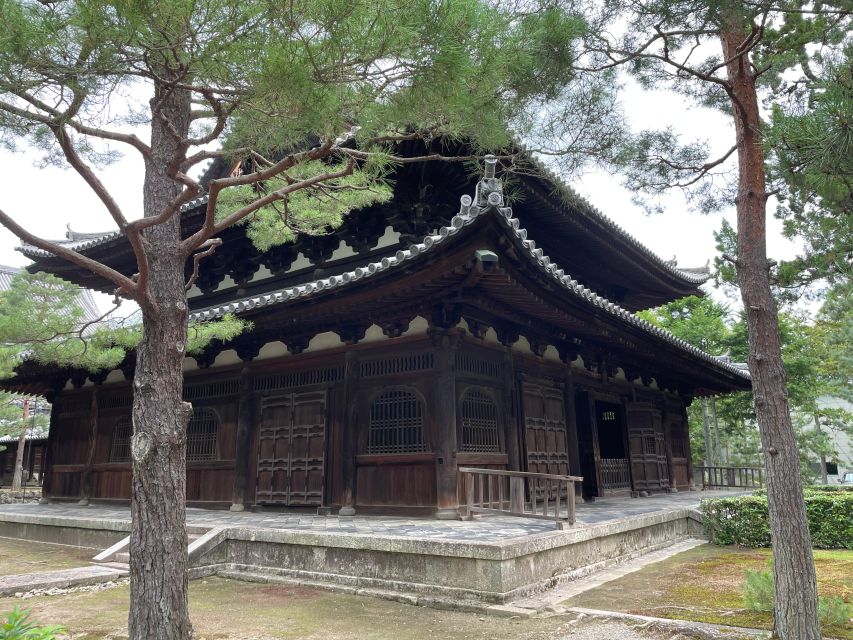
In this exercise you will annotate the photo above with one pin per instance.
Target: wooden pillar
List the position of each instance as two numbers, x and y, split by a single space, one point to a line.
596 447
245 427
47 457
667 440
572 439
512 414
349 434
444 419
86 479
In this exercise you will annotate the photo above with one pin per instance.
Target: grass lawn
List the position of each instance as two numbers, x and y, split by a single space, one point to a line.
21 556
222 608
704 585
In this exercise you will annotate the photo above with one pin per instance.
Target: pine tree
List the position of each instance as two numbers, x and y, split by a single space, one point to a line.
722 54
313 95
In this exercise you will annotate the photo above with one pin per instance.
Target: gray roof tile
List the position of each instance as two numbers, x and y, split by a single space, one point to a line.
469 212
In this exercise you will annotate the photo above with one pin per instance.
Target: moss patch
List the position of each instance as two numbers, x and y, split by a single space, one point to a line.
223 608
704 585
22 556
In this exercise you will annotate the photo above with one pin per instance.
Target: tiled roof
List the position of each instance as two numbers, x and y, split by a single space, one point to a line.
84 298
573 199
29 437
85 241
488 201
77 241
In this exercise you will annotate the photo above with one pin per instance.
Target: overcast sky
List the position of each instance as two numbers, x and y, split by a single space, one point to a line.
46 199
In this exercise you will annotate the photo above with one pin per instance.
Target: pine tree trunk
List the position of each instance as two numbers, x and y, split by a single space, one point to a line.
795 608
708 459
18 473
823 474
158 544
718 450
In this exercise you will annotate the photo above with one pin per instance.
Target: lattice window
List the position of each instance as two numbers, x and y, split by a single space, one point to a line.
120 446
396 423
202 433
299 379
479 423
215 389
74 405
117 400
470 363
398 364
649 445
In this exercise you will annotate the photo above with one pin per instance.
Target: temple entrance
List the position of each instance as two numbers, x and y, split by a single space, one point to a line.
586 442
614 468
291 450
647 447
545 428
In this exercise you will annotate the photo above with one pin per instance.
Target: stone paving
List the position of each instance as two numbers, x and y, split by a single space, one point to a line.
482 529
62 579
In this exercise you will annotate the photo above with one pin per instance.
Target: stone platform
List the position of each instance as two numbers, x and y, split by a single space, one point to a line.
493 559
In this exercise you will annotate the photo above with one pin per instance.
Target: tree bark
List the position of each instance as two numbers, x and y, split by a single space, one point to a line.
709 460
18 475
795 607
718 450
823 475
158 543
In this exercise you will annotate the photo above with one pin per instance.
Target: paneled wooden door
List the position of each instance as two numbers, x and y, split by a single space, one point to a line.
647 447
545 428
291 450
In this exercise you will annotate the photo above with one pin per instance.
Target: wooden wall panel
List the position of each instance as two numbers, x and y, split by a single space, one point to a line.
112 482
411 485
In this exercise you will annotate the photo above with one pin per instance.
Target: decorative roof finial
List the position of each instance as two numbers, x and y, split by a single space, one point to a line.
491 163
489 189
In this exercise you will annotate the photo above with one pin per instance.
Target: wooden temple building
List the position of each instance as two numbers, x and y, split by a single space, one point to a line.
421 336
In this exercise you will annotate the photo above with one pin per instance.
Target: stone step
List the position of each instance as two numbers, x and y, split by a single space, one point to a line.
63 579
123 557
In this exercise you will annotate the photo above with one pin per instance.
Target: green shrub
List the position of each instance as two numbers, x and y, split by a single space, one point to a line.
744 520
834 611
17 626
758 595
758 590
815 488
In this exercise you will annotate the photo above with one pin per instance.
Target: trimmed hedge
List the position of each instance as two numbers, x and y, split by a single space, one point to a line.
815 488
743 520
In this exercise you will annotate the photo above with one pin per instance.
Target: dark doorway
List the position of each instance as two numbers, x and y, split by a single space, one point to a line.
586 443
613 464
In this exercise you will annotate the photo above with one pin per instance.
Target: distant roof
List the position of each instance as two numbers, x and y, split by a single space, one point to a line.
30 437
84 298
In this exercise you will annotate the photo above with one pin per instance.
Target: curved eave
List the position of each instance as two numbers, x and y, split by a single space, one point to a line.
535 256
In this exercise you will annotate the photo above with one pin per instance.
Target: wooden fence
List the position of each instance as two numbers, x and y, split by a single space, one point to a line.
731 477
517 493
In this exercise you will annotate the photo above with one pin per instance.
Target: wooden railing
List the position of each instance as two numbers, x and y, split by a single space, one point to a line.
732 477
615 474
517 493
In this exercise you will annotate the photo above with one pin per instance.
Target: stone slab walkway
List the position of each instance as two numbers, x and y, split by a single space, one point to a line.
481 529
62 579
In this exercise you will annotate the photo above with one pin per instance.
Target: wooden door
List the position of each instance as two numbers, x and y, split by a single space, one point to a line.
545 428
647 448
291 450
